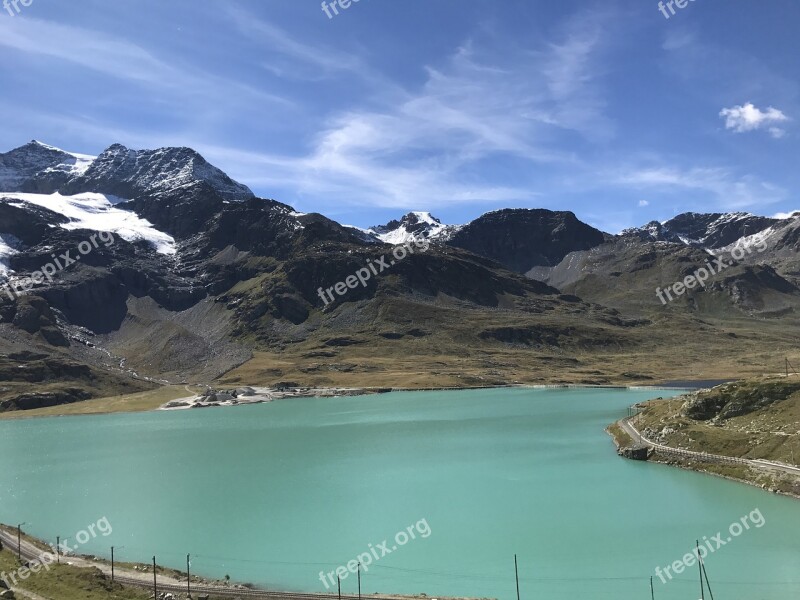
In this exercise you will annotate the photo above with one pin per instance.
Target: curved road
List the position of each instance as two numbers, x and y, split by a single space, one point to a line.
765 465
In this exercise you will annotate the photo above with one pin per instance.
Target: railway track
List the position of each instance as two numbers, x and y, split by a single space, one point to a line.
29 552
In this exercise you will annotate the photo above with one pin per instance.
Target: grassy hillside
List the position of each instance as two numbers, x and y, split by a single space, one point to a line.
138 402
755 419
751 419
63 582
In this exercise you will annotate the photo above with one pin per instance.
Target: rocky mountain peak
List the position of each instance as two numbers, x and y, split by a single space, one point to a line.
413 226
707 230
522 239
39 167
129 173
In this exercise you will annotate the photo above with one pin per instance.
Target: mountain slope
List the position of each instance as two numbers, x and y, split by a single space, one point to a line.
411 227
131 174
704 230
523 239
39 168
201 279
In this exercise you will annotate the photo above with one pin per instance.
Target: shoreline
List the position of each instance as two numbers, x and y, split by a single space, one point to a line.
267 395
627 447
116 404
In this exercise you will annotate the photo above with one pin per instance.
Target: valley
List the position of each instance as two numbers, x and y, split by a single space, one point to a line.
453 300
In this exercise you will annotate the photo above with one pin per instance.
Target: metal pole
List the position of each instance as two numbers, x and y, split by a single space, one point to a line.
516 574
112 564
339 584
652 592
710 593
359 581
155 583
700 566
188 577
58 549
19 542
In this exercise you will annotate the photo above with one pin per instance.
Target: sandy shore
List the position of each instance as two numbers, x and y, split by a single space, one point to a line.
260 395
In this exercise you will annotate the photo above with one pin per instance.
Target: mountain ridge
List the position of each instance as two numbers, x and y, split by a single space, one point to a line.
215 278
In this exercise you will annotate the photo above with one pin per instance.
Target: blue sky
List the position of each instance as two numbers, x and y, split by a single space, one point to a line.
457 107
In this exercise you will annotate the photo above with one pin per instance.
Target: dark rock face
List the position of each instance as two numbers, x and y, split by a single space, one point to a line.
181 214
97 300
635 453
735 399
747 288
44 399
29 225
32 313
522 239
452 272
34 367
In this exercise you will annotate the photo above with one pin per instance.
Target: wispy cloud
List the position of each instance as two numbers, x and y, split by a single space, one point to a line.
573 69
486 102
122 60
726 190
289 57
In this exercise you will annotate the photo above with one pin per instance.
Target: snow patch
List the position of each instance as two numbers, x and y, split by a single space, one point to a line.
7 250
414 226
82 161
97 212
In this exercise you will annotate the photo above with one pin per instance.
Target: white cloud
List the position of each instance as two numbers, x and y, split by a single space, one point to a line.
750 118
643 203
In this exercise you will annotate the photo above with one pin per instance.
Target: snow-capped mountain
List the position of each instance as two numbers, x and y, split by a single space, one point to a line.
38 167
42 187
239 267
411 227
520 239
712 231
118 171
134 173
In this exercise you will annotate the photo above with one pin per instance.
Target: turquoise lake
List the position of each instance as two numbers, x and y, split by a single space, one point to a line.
274 494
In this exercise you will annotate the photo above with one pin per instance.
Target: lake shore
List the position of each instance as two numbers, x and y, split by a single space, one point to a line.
181 397
750 472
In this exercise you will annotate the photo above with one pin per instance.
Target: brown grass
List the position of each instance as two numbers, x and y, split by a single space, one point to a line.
139 402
